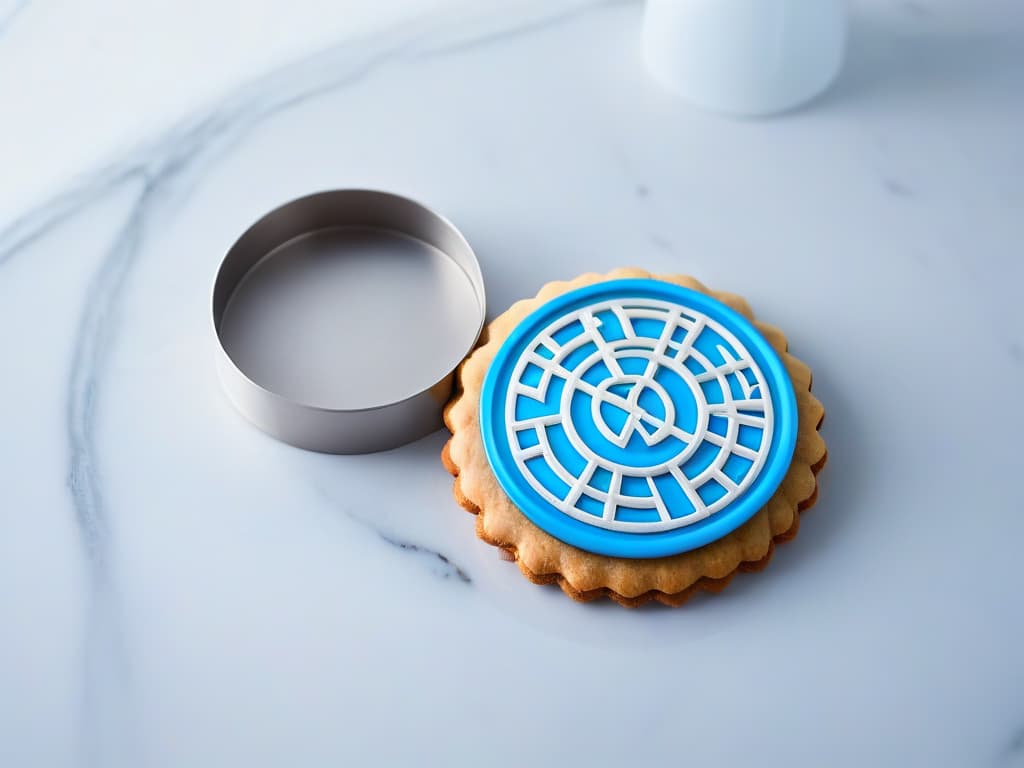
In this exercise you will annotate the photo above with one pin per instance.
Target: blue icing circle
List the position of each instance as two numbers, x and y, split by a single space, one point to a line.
638 418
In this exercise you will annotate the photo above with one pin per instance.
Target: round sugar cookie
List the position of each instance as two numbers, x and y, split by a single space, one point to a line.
635 437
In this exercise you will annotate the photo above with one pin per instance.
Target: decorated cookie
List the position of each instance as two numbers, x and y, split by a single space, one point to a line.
635 437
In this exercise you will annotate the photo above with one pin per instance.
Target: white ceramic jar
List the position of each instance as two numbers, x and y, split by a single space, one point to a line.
745 57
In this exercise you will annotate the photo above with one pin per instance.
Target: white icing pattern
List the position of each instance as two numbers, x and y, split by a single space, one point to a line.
664 417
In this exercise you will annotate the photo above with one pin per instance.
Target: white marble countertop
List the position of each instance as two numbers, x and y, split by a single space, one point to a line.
177 589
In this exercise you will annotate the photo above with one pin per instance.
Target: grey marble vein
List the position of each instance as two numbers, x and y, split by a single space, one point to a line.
450 568
91 341
526 27
104 645
31 226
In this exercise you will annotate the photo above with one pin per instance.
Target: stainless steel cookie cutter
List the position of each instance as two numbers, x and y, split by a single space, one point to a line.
341 316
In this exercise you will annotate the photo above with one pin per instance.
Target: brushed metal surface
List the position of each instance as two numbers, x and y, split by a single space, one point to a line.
340 317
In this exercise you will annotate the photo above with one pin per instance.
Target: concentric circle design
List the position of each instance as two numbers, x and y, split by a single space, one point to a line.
638 418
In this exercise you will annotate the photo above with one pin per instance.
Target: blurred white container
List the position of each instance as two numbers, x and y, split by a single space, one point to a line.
745 57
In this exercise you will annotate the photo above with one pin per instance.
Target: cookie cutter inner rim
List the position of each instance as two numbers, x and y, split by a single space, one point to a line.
339 209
